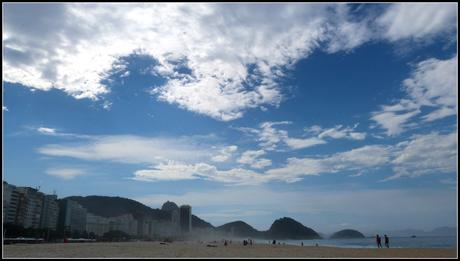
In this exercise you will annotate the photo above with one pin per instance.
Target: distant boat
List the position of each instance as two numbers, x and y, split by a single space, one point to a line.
413 236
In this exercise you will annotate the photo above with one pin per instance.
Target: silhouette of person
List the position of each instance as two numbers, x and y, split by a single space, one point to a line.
387 241
379 241
301 243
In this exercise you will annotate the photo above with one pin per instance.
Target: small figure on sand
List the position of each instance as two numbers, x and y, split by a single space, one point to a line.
379 241
301 243
387 241
274 242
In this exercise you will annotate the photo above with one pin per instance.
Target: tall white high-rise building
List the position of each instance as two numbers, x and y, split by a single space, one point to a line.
50 211
29 208
185 216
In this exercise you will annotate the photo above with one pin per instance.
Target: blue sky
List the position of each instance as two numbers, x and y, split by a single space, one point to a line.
340 116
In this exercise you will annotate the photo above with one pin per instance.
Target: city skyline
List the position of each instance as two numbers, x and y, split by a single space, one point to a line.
337 115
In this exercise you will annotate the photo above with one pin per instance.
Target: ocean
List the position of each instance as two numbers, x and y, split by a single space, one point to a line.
395 242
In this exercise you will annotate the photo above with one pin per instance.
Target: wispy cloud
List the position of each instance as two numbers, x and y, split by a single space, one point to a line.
341 132
225 154
426 154
65 173
433 84
270 137
185 158
131 149
46 131
417 20
252 158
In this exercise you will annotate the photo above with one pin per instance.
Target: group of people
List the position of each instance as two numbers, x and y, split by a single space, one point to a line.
379 241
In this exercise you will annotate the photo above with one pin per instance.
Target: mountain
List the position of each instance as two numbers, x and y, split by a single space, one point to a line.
239 229
347 233
284 228
200 223
117 206
288 228
169 206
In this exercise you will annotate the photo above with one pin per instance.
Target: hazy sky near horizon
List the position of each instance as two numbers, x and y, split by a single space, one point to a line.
337 115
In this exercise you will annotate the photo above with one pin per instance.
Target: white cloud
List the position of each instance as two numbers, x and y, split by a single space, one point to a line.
417 20
186 158
433 84
170 171
315 129
251 157
4 108
46 131
393 123
125 74
426 154
270 137
225 154
178 171
439 114
65 173
369 156
236 53
295 143
107 105
420 155
131 149
72 47
340 132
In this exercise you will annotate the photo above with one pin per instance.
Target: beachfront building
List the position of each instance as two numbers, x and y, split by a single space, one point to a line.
185 217
125 223
72 216
97 224
162 229
144 227
29 207
10 203
50 212
175 218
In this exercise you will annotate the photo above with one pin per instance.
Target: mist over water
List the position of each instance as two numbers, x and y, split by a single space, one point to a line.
369 242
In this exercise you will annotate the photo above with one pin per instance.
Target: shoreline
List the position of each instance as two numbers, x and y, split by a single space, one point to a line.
194 249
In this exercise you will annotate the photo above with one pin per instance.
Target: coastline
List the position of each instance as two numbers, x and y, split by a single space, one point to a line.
196 249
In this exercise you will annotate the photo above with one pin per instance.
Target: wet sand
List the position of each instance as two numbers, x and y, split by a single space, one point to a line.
195 249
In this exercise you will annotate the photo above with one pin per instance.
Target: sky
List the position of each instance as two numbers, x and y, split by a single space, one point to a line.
336 115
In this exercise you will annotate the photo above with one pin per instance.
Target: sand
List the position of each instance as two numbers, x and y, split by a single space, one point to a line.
196 249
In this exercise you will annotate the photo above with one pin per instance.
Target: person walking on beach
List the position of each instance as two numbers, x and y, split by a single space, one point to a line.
379 241
387 241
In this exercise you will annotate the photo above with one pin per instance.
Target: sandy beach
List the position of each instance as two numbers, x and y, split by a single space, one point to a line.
196 249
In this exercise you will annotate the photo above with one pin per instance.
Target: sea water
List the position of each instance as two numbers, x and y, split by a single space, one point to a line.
369 242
